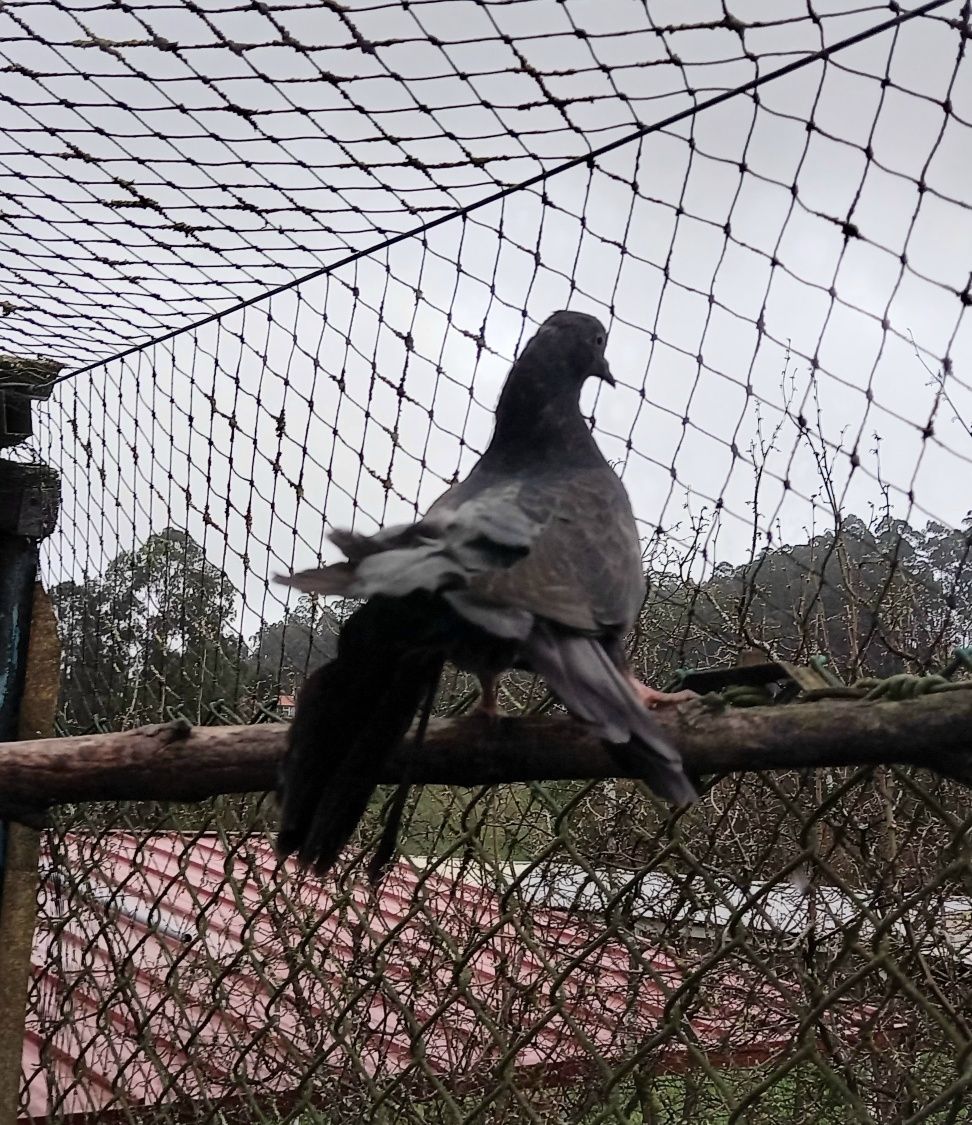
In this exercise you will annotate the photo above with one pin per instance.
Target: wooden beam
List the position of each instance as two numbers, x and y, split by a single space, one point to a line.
175 761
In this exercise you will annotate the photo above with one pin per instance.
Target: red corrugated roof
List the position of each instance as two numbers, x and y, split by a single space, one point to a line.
178 969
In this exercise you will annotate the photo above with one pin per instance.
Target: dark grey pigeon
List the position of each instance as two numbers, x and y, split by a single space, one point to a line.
532 561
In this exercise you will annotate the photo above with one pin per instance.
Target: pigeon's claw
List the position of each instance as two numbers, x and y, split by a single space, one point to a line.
654 699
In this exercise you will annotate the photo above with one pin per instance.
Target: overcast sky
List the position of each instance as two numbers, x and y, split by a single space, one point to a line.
738 268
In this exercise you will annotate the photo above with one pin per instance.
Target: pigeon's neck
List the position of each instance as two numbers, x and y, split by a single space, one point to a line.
540 418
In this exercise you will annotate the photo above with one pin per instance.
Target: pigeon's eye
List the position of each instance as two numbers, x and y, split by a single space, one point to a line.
599 341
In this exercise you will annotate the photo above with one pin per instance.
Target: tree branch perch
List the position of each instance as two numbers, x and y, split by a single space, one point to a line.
175 761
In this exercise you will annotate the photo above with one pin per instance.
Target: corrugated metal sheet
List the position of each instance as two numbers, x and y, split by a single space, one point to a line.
942 923
170 968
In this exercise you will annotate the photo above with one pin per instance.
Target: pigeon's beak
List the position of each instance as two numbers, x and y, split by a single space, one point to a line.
602 371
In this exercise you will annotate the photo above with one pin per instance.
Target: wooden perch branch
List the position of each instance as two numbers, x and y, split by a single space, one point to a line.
178 762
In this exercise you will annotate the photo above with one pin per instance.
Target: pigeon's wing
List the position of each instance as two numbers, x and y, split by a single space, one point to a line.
582 584
488 531
584 570
559 545
586 680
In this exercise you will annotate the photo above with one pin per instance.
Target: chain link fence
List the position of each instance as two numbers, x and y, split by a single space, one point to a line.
286 253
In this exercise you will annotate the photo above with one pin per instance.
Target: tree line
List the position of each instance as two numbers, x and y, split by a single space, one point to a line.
156 635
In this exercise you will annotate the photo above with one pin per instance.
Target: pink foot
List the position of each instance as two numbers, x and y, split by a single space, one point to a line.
654 699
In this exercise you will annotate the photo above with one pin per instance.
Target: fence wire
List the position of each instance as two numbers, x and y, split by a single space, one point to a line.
785 278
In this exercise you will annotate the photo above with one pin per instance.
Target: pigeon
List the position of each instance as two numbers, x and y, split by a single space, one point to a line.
531 561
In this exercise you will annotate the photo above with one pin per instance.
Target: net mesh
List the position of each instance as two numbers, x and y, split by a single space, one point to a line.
287 253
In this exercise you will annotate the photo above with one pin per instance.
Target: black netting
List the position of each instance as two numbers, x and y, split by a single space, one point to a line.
784 274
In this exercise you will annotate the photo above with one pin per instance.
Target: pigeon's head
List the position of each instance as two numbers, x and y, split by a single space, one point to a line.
575 342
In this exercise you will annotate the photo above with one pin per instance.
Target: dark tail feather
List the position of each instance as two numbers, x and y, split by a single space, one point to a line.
351 714
385 851
582 676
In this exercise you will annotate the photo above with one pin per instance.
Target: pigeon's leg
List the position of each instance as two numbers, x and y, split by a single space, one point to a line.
654 699
651 697
487 700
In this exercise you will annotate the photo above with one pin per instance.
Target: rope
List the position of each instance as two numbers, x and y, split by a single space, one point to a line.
897 688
